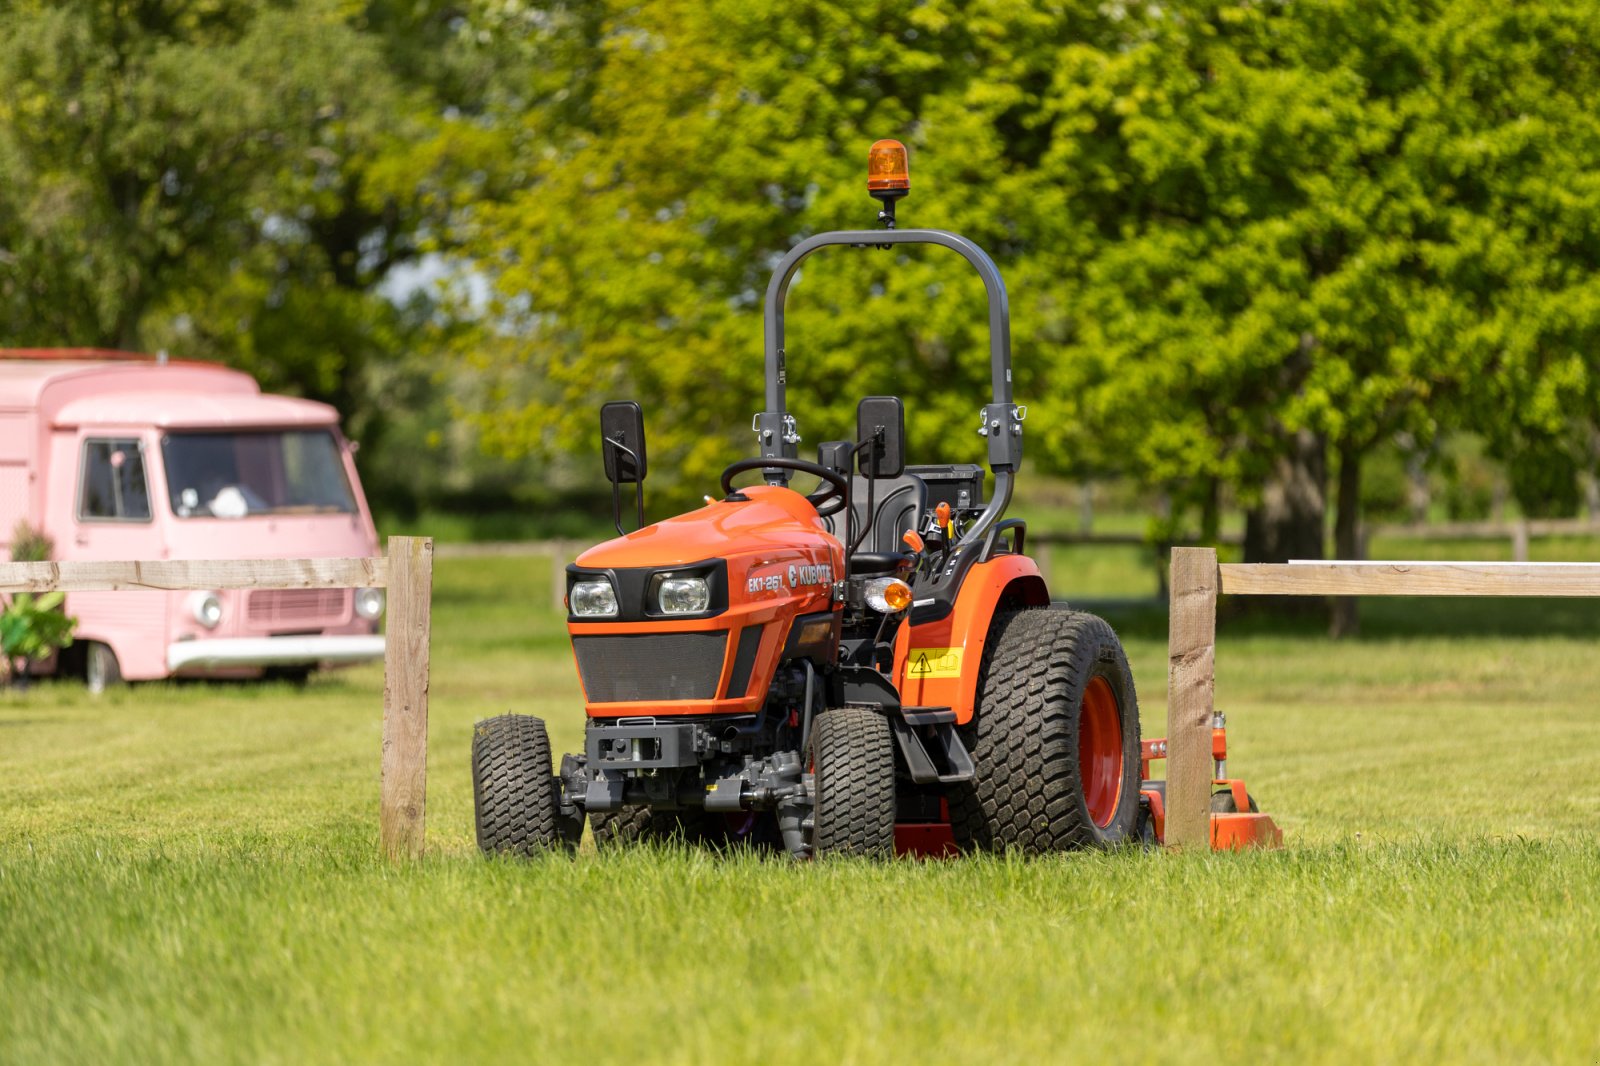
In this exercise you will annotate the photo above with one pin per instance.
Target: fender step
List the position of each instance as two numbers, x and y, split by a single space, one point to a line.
933 751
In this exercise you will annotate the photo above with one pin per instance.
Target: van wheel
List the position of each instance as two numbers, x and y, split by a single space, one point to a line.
100 670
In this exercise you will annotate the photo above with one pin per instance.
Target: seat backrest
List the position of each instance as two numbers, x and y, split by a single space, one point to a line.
897 505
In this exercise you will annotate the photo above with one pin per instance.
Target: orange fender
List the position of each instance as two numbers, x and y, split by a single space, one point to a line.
937 665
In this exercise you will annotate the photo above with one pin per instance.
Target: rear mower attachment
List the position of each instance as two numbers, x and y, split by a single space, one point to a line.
1236 822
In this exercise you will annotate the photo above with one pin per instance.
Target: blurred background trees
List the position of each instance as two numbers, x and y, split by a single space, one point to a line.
1290 259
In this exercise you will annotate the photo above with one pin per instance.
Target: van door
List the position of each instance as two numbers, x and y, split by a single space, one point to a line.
115 517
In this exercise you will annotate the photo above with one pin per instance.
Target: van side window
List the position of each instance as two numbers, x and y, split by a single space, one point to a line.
113 484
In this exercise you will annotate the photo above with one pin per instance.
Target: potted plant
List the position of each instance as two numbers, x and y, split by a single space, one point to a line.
32 627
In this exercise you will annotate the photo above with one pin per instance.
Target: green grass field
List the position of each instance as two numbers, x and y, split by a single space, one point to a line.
188 873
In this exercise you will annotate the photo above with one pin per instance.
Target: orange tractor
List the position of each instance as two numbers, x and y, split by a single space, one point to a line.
876 667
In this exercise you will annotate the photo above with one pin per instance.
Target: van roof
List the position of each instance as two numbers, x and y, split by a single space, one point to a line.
77 386
193 410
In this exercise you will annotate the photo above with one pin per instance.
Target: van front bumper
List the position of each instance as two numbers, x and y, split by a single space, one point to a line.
225 652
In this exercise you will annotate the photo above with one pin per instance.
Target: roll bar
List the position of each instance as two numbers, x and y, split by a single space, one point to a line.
775 428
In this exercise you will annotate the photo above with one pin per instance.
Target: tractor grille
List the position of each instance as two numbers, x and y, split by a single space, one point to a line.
296 608
651 666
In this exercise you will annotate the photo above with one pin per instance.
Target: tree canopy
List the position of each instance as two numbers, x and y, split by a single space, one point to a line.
1233 232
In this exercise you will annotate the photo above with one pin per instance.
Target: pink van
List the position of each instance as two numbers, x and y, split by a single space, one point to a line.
120 456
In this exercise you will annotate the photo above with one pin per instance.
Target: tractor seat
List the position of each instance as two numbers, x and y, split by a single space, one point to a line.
897 504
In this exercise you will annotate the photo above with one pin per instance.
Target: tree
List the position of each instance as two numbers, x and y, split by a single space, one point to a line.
1353 219
692 145
209 176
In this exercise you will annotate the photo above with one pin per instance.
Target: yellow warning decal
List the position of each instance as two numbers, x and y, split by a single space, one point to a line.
933 662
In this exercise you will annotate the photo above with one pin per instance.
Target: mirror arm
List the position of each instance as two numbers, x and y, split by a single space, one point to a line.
616 490
853 539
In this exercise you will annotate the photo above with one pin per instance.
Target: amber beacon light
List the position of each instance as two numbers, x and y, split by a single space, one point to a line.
888 176
887 169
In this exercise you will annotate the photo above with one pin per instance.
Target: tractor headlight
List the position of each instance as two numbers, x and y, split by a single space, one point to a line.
206 608
593 599
369 603
683 595
888 595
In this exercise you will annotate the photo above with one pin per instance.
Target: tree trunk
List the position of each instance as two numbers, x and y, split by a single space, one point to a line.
1344 621
1289 523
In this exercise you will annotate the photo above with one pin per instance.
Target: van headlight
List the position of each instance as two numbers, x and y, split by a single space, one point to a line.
593 599
206 608
369 603
683 595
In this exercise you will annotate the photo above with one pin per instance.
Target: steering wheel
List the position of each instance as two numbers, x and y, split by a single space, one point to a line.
828 498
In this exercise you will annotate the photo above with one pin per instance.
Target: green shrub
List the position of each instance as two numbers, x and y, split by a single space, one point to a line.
32 627
30 544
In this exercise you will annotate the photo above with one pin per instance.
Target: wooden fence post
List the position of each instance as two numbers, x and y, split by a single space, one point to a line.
403 804
1191 662
558 576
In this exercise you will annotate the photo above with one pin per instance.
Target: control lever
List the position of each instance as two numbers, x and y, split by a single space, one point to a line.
913 540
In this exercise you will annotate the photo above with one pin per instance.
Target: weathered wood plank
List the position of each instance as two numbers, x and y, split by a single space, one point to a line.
1378 578
1191 663
404 787
96 576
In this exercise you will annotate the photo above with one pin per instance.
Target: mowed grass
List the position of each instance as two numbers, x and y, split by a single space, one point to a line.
188 873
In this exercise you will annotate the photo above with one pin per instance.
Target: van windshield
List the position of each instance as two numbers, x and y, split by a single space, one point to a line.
236 475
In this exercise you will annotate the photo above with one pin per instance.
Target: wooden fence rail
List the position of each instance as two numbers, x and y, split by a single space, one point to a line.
407 572
1191 642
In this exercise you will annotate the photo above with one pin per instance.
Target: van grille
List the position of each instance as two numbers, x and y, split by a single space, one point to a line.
296 608
651 666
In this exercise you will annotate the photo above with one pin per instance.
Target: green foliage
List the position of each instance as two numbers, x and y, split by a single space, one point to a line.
1472 480
33 627
30 544
1222 223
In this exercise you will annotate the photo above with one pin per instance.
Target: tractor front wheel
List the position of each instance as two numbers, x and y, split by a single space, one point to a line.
852 753
515 797
1054 738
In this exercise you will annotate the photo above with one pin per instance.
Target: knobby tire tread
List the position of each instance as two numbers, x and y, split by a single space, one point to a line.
1027 793
515 799
853 748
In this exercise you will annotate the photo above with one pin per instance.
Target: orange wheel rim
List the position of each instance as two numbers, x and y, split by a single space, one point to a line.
1100 751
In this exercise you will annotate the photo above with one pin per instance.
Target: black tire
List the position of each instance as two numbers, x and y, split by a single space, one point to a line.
852 752
1224 803
101 669
639 825
1028 792
515 797
1147 822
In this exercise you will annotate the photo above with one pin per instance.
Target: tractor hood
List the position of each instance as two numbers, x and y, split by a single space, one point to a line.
771 517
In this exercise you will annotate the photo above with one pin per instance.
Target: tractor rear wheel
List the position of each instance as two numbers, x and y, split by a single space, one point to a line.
1054 737
515 797
639 825
852 752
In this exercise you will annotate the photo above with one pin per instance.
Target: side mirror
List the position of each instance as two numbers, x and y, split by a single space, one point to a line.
622 442
882 420
622 448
